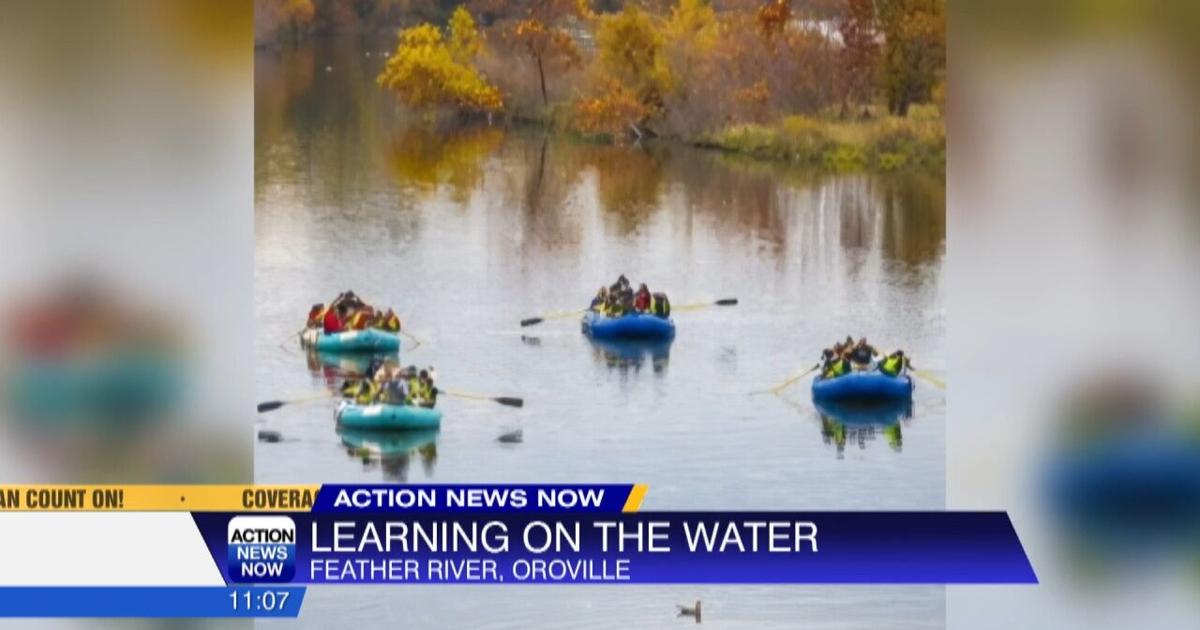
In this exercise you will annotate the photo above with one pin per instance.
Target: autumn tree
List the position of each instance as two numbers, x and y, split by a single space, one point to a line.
431 70
860 50
772 18
629 49
464 40
914 52
543 36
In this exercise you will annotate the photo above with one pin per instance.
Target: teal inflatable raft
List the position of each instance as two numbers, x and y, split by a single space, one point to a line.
369 340
387 417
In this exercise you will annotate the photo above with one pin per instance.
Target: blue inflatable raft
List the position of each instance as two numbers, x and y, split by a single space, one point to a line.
863 386
640 326
369 340
387 417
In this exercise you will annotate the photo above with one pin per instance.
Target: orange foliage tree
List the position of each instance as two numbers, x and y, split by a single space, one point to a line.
543 36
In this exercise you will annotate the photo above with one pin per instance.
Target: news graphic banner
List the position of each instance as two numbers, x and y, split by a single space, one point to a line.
234 551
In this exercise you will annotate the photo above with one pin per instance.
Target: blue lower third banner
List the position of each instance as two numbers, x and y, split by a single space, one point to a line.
636 548
150 601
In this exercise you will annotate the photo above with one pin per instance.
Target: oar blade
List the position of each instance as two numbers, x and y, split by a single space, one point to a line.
510 401
931 379
532 321
270 405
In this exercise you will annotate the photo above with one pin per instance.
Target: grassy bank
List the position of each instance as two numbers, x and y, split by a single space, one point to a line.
880 143
886 143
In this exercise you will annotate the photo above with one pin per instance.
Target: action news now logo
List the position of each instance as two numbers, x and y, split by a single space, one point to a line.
262 549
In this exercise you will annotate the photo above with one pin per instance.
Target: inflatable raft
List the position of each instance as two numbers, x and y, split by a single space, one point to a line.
387 417
369 340
640 326
863 386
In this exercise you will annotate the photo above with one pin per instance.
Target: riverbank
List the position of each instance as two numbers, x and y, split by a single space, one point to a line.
881 143
885 143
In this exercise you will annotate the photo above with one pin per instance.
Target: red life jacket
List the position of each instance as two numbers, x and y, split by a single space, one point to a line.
332 323
642 301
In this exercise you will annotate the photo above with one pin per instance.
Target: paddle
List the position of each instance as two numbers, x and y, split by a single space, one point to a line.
530 321
782 386
413 338
272 405
503 400
931 379
700 305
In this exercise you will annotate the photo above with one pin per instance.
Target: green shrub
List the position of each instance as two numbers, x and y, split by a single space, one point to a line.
886 143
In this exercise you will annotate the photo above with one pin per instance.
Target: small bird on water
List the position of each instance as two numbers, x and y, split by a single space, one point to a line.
690 611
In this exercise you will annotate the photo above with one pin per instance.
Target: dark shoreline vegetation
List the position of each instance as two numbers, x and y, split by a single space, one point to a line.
836 85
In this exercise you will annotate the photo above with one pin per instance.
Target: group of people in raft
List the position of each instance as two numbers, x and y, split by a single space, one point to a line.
620 299
384 382
348 312
859 356
391 384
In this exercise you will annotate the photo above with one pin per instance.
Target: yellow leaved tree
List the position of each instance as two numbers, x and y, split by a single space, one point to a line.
633 75
429 70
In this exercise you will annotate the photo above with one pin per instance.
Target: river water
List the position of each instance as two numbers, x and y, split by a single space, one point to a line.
465 231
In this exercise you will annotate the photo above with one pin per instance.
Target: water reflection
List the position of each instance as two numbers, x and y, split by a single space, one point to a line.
443 157
632 355
392 451
332 367
845 423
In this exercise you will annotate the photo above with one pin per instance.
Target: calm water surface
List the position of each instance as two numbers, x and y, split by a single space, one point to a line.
467 231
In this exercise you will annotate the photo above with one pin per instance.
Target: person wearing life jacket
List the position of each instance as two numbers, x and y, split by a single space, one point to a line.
428 393
641 300
360 318
395 391
614 307
620 285
362 391
388 321
660 305
894 364
351 300
316 315
834 365
334 320
862 354
412 377
599 300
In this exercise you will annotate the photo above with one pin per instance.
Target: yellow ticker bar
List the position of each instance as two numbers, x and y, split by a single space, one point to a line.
634 502
147 498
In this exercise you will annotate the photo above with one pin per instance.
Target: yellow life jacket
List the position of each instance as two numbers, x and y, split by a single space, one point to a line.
837 368
892 365
317 318
367 391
